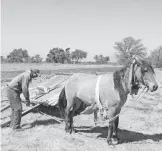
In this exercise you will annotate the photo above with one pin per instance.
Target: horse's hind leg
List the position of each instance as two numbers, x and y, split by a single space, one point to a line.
67 118
71 114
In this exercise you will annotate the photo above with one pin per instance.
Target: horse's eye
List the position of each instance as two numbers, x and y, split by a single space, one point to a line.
145 70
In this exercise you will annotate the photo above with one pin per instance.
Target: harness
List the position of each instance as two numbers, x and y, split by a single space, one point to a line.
97 102
102 109
97 93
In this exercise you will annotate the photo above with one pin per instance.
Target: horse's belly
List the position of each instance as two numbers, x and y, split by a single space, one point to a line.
86 95
86 92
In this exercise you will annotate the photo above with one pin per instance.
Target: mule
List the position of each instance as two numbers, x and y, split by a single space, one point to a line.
104 94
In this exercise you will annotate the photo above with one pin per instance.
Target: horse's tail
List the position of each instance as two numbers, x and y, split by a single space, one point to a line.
62 102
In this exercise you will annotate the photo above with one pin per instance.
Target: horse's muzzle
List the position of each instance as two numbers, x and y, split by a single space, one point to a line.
153 87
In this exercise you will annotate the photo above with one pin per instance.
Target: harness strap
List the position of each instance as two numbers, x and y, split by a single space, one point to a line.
134 100
97 93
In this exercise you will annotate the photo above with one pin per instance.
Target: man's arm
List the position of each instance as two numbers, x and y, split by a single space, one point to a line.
25 87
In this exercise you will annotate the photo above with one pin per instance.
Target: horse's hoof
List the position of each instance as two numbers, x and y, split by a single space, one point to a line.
115 141
67 130
71 131
112 142
74 131
109 142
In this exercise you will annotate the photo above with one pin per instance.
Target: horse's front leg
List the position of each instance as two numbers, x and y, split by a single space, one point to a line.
113 127
95 117
111 138
110 132
115 130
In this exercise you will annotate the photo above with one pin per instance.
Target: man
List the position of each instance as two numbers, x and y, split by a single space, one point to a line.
18 85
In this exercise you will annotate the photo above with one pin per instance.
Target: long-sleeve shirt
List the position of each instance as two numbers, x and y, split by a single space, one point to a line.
21 83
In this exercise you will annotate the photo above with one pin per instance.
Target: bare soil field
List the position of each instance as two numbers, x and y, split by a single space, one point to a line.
140 127
10 70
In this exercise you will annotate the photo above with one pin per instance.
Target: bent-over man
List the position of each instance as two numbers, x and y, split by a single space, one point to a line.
18 85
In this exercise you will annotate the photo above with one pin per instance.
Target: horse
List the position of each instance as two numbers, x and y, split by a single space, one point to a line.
105 94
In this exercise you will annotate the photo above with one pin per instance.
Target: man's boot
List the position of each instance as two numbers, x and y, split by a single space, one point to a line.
11 118
17 119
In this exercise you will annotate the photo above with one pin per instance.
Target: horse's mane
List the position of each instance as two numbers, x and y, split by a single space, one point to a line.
119 74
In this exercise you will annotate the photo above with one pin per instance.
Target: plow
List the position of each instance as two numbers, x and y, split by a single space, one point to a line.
46 94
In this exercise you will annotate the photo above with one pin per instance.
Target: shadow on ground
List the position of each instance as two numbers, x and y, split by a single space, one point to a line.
50 110
124 135
44 110
42 122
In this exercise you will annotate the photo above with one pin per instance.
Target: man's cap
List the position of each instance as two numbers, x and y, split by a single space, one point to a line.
35 71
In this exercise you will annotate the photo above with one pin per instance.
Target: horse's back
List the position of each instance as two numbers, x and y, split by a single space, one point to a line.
82 86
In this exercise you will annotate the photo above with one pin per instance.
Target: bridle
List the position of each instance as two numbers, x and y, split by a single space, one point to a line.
136 83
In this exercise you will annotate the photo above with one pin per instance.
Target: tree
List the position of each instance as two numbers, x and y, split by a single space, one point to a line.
128 48
78 55
107 58
68 55
36 59
56 55
18 55
101 59
3 59
156 57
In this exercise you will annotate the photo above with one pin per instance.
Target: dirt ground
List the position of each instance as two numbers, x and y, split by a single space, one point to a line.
140 128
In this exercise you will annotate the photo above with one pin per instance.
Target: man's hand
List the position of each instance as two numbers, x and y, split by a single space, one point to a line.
27 103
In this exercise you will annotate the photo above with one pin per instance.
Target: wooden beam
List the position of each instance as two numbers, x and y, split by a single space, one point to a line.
8 106
5 108
34 107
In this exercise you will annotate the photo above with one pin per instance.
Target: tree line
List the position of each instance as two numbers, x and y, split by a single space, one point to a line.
55 55
125 50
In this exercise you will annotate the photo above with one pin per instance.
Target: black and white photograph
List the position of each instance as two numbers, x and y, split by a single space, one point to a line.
81 75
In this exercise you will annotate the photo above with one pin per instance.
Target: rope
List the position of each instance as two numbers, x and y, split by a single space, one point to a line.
134 101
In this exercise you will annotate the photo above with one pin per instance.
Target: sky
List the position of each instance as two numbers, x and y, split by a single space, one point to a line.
90 25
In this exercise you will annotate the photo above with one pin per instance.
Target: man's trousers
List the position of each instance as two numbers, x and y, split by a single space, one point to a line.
16 107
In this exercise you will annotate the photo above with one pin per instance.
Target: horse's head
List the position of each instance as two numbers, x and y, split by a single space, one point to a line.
141 73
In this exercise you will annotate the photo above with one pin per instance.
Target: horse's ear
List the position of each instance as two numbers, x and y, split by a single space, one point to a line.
136 60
